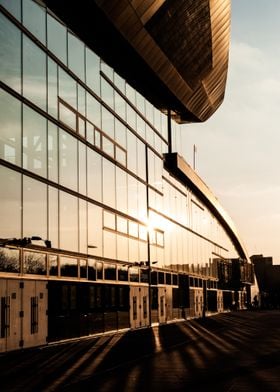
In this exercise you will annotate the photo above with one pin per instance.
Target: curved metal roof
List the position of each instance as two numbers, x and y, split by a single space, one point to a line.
174 52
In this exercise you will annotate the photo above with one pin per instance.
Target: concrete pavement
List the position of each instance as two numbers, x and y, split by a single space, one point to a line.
238 351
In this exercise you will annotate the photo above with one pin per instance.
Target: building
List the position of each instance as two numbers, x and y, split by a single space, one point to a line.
268 279
104 225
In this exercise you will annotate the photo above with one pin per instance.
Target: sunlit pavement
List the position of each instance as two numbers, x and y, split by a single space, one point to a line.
237 351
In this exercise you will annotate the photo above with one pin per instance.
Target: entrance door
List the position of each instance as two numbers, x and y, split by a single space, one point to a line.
139 306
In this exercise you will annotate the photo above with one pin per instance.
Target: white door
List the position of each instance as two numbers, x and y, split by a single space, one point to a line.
162 305
139 306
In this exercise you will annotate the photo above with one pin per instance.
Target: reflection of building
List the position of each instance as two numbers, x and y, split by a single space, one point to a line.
268 278
91 160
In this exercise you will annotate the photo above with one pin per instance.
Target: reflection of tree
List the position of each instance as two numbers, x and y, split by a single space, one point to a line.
35 263
9 261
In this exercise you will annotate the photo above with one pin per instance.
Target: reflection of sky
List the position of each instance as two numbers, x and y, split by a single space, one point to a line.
238 148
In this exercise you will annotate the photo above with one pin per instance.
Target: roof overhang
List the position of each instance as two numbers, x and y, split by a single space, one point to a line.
174 52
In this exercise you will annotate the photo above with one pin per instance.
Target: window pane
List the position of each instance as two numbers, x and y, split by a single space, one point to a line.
53 265
52 88
34 208
34 73
81 100
109 183
120 155
68 171
9 260
92 71
108 146
82 169
10 54
52 152
107 93
121 190
68 214
10 206
108 123
67 116
14 7
109 220
34 18
53 216
83 226
121 224
56 38
131 152
67 88
76 56
10 137
110 246
94 172
34 142
34 263
95 243
68 267
93 110
120 133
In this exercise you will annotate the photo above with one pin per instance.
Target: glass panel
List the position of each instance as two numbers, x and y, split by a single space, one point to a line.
110 245
76 56
133 250
57 39
140 103
109 183
34 73
82 168
122 248
53 216
143 233
108 71
52 88
67 88
81 100
34 263
120 133
83 226
34 208
10 137
119 82
53 265
131 117
141 127
107 146
109 220
123 273
81 126
10 54
34 18
120 155
10 206
97 139
93 110
68 267
110 271
68 170
132 196
14 7
130 93
107 93
108 123
67 116
95 225
141 160
68 215
90 132
121 224
9 260
121 190
131 152
34 142
133 229
83 269
92 71
94 173
91 270
52 152
120 106
99 270
134 274
142 202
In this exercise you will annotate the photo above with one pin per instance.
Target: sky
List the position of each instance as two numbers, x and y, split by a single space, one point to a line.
238 148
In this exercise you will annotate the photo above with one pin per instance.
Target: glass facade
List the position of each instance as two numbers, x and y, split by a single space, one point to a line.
79 139
82 166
